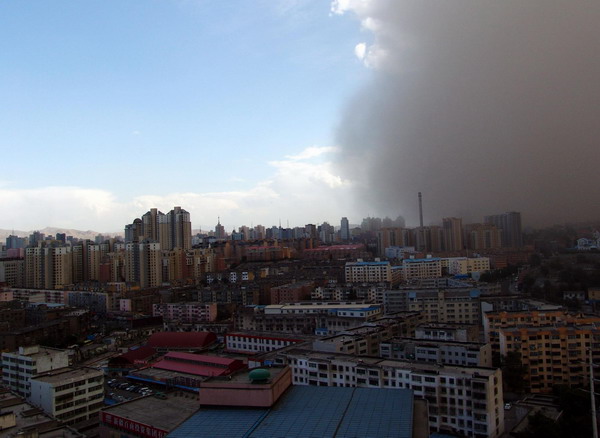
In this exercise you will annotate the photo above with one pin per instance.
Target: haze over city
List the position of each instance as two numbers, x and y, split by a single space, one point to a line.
297 111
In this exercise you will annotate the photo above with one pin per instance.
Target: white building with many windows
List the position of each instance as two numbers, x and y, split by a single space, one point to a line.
20 366
69 394
256 343
474 354
467 401
368 272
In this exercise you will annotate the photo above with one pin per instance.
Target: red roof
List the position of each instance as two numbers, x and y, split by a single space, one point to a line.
139 354
217 360
198 364
335 248
181 339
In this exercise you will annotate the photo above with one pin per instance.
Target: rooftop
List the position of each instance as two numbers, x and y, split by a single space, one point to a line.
61 375
335 248
29 419
312 411
181 339
392 363
368 264
197 364
163 414
36 351
428 259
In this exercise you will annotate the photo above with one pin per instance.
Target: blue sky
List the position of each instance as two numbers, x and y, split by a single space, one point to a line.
229 108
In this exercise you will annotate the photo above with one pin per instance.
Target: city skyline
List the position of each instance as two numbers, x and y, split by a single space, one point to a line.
300 111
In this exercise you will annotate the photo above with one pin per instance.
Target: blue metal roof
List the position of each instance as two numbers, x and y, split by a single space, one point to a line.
368 263
389 414
430 259
220 423
311 411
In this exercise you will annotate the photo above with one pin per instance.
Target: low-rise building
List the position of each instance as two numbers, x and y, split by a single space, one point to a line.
19 418
322 318
181 341
69 394
552 355
186 313
448 332
250 343
464 400
465 265
494 321
147 417
456 306
472 354
364 340
304 411
368 272
429 267
20 366
292 292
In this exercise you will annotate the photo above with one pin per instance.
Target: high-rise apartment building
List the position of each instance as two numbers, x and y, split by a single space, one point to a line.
12 272
510 224
143 264
388 237
151 224
483 236
326 232
453 233
134 231
219 230
96 254
48 267
345 229
14 242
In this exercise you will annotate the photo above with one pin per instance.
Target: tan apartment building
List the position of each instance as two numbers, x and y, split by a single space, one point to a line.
552 355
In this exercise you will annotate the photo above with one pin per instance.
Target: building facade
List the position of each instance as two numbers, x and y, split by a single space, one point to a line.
69 394
467 401
20 366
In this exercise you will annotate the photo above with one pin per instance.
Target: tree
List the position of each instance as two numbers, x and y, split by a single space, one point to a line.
513 373
539 426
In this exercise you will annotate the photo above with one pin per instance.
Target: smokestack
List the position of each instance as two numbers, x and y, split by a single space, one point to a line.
420 210
421 242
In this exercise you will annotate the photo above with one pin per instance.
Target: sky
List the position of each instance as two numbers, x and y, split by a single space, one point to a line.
299 111
484 106
228 109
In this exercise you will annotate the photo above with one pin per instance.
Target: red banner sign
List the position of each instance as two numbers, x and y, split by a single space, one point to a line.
131 426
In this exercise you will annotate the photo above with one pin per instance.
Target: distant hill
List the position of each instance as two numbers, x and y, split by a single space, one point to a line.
51 231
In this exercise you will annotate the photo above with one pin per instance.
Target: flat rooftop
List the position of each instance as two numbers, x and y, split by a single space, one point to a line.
309 411
30 418
40 353
436 342
162 414
159 376
243 376
393 363
62 374
293 307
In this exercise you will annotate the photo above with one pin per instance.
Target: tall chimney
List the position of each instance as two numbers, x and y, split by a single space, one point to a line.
421 234
420 210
